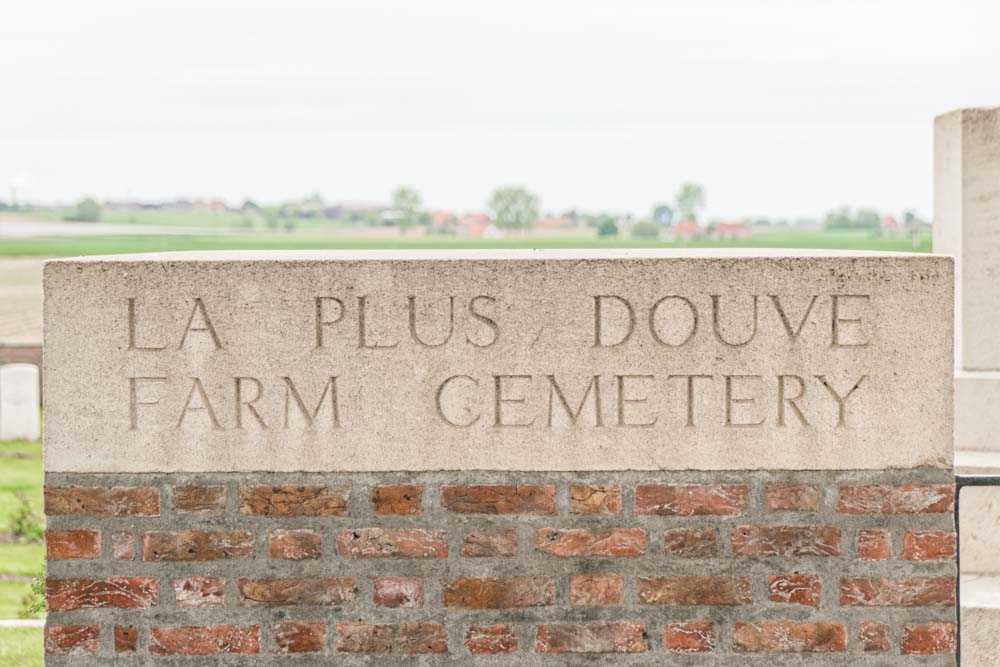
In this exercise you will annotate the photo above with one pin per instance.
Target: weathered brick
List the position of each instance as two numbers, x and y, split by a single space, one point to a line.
795 589
72 544
929 545
393 543
581 542
490 544
902 592
399 592
874 637
113 592
904 499
929 639
406 638
793 498
103 501
491 639
786 541
71 639
297 591
126 639
590 590
690 542
695 590
591 638
694 637
299 637
874 544
196 545
205 640
606 499
201 500
123 545
200 592
500 499
299 544
498 592
691 500
401 499
289 500
790 637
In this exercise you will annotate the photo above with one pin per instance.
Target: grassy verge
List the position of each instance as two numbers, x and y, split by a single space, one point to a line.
21 647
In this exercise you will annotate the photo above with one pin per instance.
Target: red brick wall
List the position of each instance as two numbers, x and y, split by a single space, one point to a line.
637 566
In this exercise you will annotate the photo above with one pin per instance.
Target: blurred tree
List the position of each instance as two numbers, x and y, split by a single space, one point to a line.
406 202
646 230
607 227
663 215
86 210
514 208
689 199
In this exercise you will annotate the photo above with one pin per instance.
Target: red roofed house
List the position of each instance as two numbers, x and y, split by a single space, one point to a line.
732 231
685 231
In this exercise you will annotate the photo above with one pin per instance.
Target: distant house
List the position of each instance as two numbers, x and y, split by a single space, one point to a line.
477 225
889 224
560 222
443 221
731 231
685 231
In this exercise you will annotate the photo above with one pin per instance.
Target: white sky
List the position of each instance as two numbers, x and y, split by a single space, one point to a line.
778 108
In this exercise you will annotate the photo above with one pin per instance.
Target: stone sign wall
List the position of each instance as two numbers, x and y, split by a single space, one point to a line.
641 454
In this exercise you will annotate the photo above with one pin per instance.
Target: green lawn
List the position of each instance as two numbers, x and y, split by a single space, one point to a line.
21 647
20 475
317 239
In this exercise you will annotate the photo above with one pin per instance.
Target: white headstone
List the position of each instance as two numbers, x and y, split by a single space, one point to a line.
19 401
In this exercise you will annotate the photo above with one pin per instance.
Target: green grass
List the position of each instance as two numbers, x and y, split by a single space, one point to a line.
21 647
24 559
22 476
317 239
12 594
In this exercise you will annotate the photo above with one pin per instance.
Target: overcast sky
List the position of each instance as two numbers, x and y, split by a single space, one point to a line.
778 108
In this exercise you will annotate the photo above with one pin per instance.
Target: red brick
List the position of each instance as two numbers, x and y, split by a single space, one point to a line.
500 499
591 638
406 639
903 592
72 544
874 544
288 500
299 637
590 590
126 639
702 500
581 542
113 592
795 589
929 639
929 545
790 637
874 637
103 501
201 500
490 544
595 499
696 637
205 640
793 498
123 545
403 499
71 639
393 543
491 639
786 541
498 592
272 592
399 592
196 545
690 542
905 499
301 544
694 590
200 592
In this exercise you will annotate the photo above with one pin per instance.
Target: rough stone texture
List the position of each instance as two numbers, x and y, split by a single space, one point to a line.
399 592
596 590
301 544
299 637
697 637
491 639
790 637
72 544
202 500
241 323
490 544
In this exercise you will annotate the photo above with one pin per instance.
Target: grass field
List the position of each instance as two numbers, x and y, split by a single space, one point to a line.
317 239
21 647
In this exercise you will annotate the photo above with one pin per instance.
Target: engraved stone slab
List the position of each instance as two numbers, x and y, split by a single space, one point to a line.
509 360
19 402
